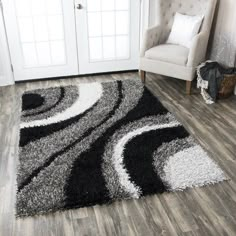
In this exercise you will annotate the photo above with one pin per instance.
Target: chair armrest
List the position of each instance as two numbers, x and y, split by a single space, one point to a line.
150 39
198 49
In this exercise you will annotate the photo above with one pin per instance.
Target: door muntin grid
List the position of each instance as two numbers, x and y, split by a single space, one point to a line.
40 26
108 27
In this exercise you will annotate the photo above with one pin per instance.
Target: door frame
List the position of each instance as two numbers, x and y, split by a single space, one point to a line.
6 78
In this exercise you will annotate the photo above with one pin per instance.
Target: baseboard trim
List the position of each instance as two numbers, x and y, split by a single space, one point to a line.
75 76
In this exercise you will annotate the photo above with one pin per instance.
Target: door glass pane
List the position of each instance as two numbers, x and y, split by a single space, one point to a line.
122 4
94 5
58 52
43 51
40 28
95 48
122 47
41 31
108 23
53 7
108 5
55 27
109 48
23 7
108 29
122 19
38 7
94 24
26 29
30 54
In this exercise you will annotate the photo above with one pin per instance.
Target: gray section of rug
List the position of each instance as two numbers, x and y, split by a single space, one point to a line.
94 143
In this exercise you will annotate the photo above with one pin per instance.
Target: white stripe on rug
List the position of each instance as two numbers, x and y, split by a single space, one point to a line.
89 94
118 157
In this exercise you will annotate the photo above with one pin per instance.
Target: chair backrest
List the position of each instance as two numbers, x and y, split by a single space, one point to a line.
166 10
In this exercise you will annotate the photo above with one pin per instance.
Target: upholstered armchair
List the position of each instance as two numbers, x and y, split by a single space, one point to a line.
173 60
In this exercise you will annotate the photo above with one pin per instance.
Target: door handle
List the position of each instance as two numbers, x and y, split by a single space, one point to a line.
79 6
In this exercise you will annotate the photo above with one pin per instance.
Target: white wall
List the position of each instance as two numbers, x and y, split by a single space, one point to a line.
223 41
222 46
6 77
144 17
152 12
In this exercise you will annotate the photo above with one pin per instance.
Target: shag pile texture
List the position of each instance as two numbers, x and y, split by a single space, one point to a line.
94 143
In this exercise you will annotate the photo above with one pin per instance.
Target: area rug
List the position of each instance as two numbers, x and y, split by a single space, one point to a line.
95 143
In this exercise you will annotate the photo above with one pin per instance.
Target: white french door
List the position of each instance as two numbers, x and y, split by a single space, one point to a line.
107 35
51 38
42 38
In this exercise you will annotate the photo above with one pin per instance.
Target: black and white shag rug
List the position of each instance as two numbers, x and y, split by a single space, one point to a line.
97 142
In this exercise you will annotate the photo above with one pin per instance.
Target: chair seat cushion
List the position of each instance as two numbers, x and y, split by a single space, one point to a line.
175 54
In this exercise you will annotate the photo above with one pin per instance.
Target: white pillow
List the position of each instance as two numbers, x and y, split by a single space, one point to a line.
184 29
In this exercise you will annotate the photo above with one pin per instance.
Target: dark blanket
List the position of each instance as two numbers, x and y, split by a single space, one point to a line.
213 72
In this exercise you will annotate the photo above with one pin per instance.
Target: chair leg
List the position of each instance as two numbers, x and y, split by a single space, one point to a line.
188 87
143 75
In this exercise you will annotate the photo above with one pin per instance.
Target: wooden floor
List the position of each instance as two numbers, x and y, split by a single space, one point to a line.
199 211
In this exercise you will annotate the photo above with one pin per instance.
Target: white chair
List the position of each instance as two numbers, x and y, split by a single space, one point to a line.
174 60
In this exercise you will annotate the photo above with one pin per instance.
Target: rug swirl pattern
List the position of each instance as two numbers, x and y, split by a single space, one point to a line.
94 143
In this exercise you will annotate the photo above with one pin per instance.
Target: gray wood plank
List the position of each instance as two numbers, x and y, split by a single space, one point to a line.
210 210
